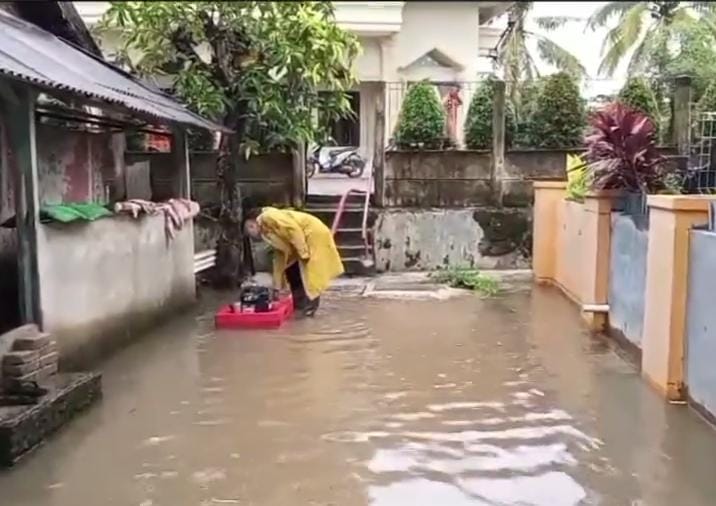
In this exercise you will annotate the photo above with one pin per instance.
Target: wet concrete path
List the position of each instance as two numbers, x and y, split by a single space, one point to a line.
377 402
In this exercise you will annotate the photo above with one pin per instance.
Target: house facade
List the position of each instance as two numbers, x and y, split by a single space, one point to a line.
402 42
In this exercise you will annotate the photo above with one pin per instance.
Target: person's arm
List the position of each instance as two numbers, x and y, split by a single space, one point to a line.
279 269
286 227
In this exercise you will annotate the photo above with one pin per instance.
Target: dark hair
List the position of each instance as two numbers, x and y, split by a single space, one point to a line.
252 214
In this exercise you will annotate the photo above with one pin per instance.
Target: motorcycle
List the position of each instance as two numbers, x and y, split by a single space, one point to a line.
345 161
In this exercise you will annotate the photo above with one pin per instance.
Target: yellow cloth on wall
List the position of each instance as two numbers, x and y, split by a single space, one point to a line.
303 238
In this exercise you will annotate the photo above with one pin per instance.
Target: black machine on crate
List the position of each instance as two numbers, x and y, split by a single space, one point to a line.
258 307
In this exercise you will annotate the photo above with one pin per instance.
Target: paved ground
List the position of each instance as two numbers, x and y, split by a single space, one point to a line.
377 401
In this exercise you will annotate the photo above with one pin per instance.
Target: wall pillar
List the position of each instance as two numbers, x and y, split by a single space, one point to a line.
378 167
182 168
682 114
545 228
596 253
17 103
663 343
498 139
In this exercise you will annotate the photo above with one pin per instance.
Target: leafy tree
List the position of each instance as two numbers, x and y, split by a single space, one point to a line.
637 94
478 122
559 115
707 102
647 29
422 118
695 55
514 56
257 67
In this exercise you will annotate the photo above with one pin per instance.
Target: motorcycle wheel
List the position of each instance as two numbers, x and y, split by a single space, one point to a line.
354 167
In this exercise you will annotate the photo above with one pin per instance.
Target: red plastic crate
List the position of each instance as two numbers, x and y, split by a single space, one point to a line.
228 318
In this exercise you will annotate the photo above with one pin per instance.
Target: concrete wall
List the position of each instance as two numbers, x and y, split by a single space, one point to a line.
74 166
463 178
102 282
428 239
627 278
437 178
571 245
266 177
701 321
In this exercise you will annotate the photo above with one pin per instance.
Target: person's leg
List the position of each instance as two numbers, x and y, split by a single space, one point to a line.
293 275
311 306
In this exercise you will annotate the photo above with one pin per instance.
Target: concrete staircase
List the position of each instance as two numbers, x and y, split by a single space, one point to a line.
349 235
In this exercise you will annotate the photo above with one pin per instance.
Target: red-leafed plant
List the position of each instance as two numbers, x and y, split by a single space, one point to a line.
621 151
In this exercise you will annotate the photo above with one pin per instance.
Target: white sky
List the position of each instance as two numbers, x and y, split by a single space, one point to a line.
585 45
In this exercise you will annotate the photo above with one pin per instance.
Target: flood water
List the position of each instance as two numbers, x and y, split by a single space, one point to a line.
462 402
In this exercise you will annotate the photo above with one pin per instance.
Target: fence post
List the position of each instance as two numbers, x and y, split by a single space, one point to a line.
379 146
498 140
682 104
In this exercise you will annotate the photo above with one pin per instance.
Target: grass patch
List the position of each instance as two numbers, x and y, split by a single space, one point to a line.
466 278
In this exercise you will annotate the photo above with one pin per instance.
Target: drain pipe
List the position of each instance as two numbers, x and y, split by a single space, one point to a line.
595 308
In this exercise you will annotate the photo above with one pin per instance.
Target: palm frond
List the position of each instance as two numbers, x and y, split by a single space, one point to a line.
602 16
556 55
622 37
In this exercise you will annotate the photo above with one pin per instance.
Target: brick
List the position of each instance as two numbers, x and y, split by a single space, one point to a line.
47 371
49 359
28 330
20 357
19 370
50 347
31 343
10 383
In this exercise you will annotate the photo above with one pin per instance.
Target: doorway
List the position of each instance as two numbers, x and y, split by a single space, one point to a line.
10 316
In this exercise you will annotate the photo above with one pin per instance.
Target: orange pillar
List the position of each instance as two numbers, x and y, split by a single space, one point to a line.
546 226
596 253
667 270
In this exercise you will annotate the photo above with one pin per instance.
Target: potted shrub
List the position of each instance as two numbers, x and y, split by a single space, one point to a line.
558 119
478 122
422 119
622 155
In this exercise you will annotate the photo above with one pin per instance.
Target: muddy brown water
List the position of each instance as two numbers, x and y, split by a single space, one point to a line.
376 402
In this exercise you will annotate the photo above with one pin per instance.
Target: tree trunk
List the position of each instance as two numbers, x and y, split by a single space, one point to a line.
230 269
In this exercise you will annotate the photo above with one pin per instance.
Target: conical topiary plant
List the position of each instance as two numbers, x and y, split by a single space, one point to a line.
478 123
638 95
559 119
422 119
524 109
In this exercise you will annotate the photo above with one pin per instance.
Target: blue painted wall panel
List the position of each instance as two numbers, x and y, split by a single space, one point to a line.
627 277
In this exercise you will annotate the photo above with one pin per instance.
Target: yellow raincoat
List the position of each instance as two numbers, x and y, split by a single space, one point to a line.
297 236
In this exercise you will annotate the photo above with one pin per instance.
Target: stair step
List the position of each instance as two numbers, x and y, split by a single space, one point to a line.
334 199
352 251
351 218
354 267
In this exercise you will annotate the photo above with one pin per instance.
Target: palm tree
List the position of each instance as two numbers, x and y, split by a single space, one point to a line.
513 54
646 28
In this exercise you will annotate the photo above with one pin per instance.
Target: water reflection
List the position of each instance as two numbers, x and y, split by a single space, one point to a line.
469 402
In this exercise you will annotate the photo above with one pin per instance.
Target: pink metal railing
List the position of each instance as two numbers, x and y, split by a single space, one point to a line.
366 203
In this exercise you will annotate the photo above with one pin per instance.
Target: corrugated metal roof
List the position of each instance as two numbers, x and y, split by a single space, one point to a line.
35 56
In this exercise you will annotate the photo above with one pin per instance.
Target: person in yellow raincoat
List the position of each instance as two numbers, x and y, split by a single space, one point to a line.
305 254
